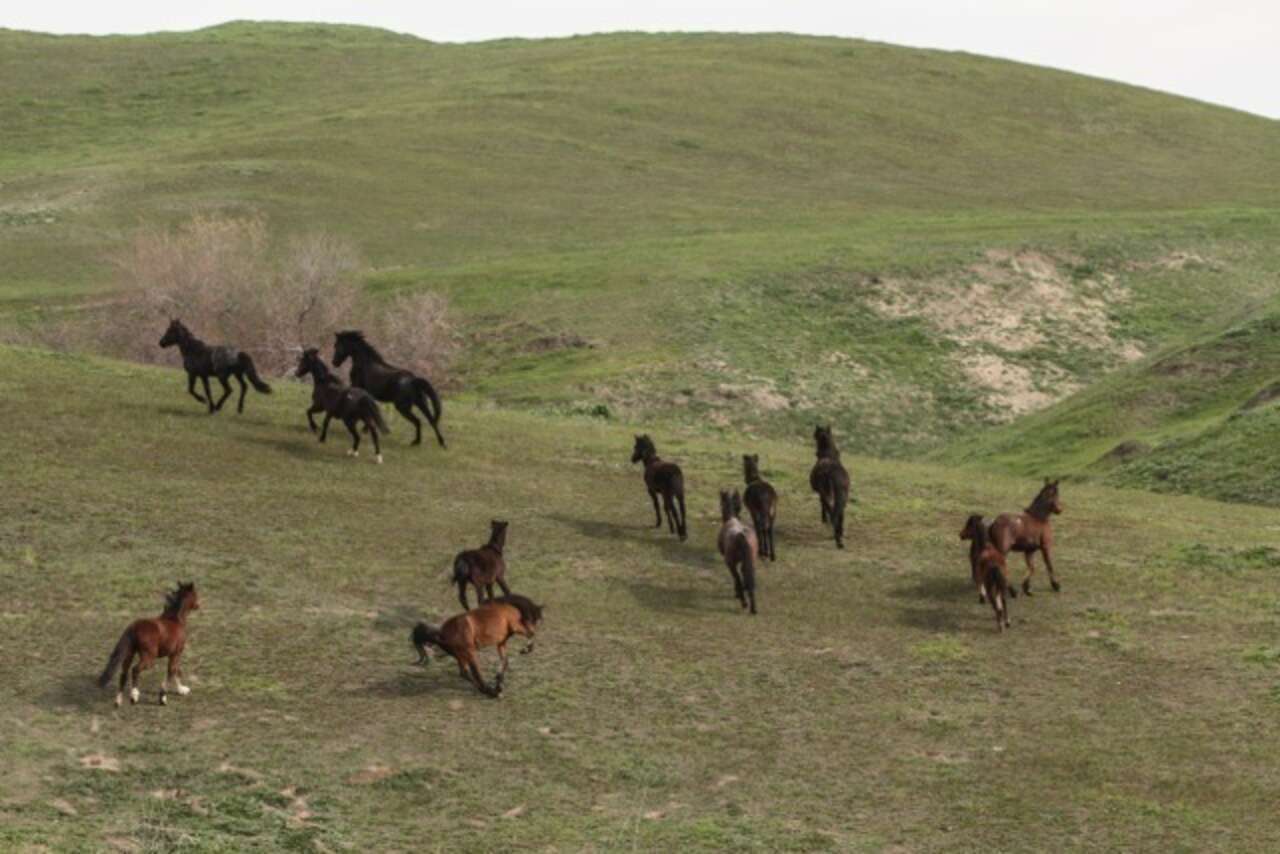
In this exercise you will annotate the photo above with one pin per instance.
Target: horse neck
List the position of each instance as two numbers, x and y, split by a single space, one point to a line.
189 344
179 614
498 541
363 355
751 475
1039 510
651 459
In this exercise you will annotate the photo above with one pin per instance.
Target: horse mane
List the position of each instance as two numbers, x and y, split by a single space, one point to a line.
356 337
173 599
977 530
1038 504
529 612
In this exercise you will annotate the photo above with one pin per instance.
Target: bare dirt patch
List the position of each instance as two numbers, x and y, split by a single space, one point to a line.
99 762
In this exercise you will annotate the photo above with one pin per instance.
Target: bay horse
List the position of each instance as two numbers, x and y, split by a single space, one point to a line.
1030 531
338 400
831 481
201 361
989 571
761 500
483 567
738 546
492 624
163 637
661 477
385 382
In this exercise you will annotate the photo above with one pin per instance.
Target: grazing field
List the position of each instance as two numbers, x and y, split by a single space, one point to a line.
870 706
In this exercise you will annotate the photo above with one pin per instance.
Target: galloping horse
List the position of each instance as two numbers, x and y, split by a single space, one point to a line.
203 361
338 400
163 637
988 568
483 567
665 478
762 503
490 624
738 546
830 480
388 383
1030 531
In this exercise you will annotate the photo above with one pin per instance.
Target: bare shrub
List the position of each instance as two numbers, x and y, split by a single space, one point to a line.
222 278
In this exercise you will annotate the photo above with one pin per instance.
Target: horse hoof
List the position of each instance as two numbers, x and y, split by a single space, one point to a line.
379 459
134 696
982 600
1056 586
164 700
119 700
184 690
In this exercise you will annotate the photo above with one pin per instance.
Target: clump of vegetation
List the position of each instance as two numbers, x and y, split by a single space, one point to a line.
225 278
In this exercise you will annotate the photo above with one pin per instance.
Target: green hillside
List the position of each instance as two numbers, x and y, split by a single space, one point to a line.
741 232
871 705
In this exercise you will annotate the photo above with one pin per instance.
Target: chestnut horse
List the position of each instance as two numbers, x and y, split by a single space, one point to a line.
762 503
988 568
163 637
1030 531
665 478
491 624
830 480
738 546
483 567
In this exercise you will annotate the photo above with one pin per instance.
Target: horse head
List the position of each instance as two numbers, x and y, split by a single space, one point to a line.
972 529
174 334
644 448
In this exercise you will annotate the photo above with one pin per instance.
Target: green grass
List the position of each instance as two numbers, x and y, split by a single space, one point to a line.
705 210
870 706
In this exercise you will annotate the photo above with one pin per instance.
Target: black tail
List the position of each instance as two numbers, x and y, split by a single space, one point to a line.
422 637
246 364
841 500
370 409
683 527
119 656
423 387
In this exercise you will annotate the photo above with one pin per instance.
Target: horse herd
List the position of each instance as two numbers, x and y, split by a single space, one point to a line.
496 619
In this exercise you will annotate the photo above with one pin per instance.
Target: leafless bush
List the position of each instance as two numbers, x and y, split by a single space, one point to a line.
224 281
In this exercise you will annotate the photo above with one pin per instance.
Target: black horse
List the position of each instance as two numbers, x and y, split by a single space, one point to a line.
338 400
831 481
204 361
385 382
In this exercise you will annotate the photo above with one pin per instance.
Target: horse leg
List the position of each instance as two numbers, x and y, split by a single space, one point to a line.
739 589
478 680
124 679
406 409
669 508
227 392
462 595
1031 570
191 387
653 496
355 437
208 395
502 672
324 428
377 446
311 421
502 582
431 419
1048 564
175 671
145 660
243 389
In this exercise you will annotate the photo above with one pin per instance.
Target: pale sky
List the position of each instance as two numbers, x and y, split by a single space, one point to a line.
1223 51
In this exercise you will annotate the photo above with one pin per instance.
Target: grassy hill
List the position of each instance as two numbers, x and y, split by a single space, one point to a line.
743 231
870 706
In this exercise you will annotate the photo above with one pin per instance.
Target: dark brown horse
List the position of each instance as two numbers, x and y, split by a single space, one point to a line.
336 399
201 361
491 624
665 479
483 567
987 565
738 546
830 480
398 386
163 637
762 503
1030 531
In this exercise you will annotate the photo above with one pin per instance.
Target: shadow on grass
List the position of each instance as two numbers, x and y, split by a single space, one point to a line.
670 548
439 677
80 691
303 449
941 602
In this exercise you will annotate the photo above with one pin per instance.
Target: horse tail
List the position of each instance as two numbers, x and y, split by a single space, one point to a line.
424 636
245 362
371 410
119 656
840 491
421 386
678 485
461 570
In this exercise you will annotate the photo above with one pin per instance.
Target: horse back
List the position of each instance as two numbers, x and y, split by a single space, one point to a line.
761 500
159 636
494 622
737 541
1019 532
664 477
829 476
485 565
